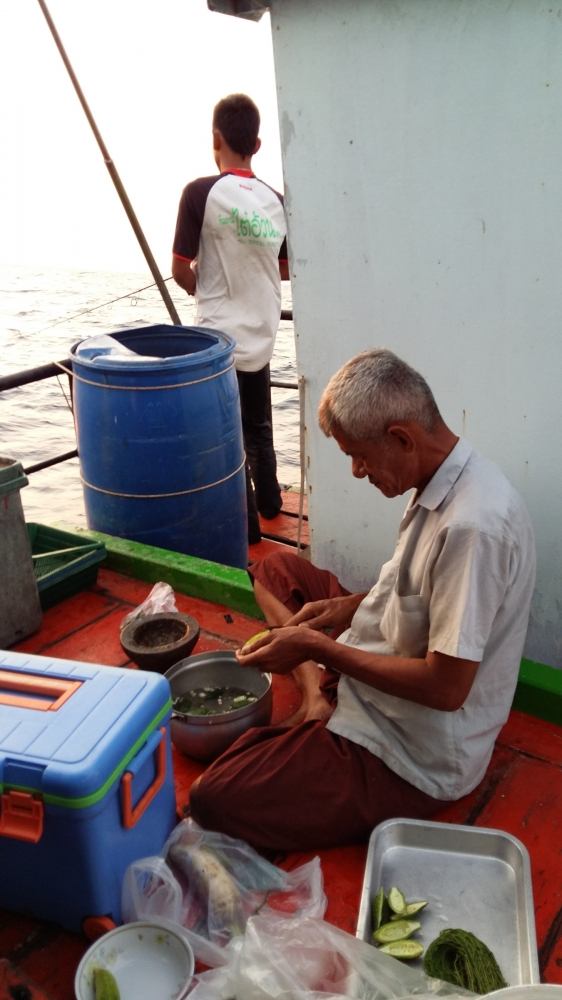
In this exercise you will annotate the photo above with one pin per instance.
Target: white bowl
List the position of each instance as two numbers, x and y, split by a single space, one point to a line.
147 958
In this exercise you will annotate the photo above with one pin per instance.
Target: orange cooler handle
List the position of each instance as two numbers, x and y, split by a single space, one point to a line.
21 816
53 691
132 814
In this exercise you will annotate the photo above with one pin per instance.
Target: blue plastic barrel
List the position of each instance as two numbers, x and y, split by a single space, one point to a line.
160 441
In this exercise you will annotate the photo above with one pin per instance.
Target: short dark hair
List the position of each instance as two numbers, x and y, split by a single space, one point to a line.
238 120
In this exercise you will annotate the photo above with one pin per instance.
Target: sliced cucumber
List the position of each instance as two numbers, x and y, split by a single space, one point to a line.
105 985
403 949
395 930
380 909
410 909
396 900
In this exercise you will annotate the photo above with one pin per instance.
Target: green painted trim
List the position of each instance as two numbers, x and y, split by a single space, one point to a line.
91 800
539 691
197 577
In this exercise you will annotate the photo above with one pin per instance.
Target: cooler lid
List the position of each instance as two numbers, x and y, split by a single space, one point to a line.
68 729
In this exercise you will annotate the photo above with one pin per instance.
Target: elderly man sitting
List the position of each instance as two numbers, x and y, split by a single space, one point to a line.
405 688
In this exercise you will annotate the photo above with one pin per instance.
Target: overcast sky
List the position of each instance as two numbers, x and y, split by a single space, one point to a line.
151 73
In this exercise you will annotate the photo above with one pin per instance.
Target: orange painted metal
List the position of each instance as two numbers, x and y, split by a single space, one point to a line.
521 794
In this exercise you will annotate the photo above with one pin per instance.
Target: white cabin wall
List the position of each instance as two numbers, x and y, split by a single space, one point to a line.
422 151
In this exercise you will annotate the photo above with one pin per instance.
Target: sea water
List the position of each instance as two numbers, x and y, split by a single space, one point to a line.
43 312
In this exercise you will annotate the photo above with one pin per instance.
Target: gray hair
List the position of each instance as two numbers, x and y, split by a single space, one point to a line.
373 390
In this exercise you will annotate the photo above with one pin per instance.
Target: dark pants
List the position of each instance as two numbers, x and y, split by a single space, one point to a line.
263 492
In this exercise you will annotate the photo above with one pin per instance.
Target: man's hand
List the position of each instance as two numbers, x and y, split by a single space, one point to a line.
333 614
436 680
280 651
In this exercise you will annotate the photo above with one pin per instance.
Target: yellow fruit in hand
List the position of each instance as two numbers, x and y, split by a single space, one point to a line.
246 648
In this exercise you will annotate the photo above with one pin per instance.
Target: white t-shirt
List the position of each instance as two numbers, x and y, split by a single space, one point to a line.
460 582
234 226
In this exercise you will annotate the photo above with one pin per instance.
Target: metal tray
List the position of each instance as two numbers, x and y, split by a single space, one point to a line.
473 877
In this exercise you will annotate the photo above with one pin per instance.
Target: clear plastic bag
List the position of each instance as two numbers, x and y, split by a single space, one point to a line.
222 882
160 599
151 890
309 959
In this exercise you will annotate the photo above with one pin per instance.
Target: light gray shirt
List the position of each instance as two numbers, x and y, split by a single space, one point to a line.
460 583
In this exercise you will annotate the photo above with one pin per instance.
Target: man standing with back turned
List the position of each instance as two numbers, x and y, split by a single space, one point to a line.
230 251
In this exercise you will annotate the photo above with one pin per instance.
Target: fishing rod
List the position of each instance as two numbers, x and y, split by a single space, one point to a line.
113 171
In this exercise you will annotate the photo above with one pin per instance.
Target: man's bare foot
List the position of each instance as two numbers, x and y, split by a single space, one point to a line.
311 709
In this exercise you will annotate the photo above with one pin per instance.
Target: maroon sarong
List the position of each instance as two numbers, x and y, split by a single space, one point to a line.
294 581
301 788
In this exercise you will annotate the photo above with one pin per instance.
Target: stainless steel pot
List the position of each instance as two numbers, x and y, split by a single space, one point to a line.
204 737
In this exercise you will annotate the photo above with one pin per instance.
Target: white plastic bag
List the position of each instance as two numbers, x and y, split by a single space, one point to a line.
309 959
150 889
222 882
105 348
225 881
160 599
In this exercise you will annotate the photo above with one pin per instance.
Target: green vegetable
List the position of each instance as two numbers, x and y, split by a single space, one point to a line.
242 700
105 985
391 930
380 909
410 909
212 701
395 930
459 957
396 900
403 949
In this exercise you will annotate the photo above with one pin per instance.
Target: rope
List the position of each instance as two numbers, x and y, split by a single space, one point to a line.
100 305
84 312
142 388
62 389
161 496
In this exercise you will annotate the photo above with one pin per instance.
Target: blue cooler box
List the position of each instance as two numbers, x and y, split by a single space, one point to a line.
86 785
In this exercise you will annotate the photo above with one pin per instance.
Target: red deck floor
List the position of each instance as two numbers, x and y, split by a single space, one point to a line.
522 793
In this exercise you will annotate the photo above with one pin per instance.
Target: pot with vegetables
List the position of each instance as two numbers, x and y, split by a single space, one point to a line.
214 701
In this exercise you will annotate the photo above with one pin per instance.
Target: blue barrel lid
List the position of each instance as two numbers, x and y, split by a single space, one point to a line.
97 720
12 476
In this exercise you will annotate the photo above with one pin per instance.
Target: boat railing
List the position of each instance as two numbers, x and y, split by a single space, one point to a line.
18 379
55 369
